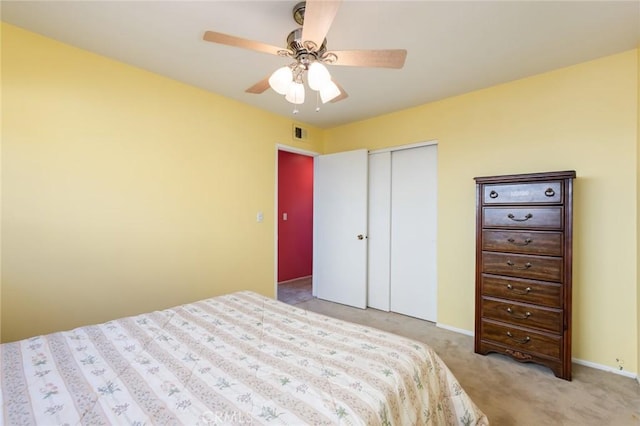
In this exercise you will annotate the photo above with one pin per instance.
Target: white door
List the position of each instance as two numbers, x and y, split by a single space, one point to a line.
339 228
413 232
379 254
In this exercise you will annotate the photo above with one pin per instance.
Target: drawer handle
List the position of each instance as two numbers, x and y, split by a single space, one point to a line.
493 194
514 266
526 242
549 192
525 340
514 315
518 291
524 219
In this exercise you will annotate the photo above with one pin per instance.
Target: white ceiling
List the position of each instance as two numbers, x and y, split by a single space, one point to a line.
453 46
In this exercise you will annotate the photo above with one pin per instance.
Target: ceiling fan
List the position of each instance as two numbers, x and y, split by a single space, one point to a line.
307 46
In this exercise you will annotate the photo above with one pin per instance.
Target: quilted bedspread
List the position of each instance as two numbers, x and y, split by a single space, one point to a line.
236 359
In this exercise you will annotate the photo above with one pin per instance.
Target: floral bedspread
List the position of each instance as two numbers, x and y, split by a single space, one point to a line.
236 359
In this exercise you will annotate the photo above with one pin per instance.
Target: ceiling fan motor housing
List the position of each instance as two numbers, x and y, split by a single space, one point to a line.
298 12
301 48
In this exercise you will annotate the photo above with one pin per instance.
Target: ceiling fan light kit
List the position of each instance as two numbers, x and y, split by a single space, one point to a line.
288 81
307 46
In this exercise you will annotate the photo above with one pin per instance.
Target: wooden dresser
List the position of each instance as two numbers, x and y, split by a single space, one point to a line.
523 268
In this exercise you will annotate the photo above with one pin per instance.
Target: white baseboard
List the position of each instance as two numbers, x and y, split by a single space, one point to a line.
575 360
455 329
295 279
606 368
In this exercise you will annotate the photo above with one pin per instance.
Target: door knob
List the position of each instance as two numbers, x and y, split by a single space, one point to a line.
360 237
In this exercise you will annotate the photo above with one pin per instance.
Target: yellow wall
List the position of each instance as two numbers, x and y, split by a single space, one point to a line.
581 118
124 191
638 259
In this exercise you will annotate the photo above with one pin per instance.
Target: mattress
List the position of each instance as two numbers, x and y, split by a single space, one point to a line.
240 358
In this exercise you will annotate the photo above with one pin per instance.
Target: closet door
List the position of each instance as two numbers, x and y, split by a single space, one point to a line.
379 229
413 287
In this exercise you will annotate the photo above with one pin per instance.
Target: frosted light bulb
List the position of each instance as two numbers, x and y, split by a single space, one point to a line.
281 79
329 91
318 76
295 94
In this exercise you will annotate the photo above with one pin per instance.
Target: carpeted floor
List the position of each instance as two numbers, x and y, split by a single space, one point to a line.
510 393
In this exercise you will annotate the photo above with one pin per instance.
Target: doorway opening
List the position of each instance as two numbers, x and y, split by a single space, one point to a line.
294 212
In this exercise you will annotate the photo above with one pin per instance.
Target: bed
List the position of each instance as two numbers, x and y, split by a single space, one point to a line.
240 358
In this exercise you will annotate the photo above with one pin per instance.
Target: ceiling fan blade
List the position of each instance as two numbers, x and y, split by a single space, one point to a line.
244 43
260 86
341 96
392 58
318 17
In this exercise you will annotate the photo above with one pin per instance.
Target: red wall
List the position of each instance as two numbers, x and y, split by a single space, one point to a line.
295 198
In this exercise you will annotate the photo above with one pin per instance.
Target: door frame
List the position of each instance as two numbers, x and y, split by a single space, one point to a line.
402 147
294 150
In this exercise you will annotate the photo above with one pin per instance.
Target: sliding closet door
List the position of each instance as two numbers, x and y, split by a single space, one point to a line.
379 229
413 232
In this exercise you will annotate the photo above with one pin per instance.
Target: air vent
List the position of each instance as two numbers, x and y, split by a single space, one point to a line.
299 133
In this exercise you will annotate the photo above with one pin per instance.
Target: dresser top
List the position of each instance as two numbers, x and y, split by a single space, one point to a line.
527 177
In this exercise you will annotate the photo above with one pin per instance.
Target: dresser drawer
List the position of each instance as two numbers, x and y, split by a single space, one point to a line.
522 290
523 217
527 242
543 268
548 319
523 339
520 193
